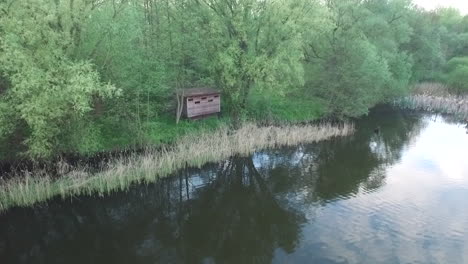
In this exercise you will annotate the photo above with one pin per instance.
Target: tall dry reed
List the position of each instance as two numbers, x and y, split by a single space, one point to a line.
190 151
431 89
435 97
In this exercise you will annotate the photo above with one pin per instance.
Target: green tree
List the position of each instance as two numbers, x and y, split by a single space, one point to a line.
458 79
48 92
425 47
253 44
269 58
457 75
353 56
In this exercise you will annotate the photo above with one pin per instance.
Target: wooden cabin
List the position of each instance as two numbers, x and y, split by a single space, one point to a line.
200 102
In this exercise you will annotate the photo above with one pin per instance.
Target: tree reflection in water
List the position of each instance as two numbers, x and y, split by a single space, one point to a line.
237 219
340 168
242 210
359 162
233 217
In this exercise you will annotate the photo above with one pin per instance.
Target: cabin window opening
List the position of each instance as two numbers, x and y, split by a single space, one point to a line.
203 98
211 100
190 99
216 96
197 102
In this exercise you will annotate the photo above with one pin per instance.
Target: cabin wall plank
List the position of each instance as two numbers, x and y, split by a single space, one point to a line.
202 105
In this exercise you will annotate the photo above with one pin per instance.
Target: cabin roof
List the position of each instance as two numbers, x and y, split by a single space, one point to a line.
199 91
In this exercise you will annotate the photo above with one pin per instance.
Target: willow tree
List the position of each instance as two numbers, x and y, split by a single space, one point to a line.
354 57
253 44
48 92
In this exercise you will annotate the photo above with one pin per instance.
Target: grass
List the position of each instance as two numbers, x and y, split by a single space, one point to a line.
270 108
109 133
191 150
116 134
165 131
435 97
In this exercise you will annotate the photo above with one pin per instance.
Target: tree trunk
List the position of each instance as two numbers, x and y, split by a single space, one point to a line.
180 105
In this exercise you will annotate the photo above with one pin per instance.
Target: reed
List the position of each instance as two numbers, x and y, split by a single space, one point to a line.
190 151
431 89
435 97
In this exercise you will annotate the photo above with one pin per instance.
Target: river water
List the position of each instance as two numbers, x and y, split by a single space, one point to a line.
397 196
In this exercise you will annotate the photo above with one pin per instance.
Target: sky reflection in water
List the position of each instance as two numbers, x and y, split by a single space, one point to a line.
420 215
399 196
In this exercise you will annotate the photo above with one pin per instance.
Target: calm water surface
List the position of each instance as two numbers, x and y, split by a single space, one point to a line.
400 196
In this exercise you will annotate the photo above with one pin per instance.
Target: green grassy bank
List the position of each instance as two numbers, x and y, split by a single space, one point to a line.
264 109
108 133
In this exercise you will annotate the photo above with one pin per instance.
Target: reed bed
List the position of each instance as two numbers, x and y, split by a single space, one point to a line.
449 105
190 151
431 89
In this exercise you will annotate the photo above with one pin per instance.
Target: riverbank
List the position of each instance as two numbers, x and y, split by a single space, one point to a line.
436 98
107 134
190 151
113 139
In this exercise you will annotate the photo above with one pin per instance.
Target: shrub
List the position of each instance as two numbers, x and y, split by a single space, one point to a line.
458 79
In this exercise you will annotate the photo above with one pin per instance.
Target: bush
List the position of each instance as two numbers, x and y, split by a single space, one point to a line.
454 63
458 79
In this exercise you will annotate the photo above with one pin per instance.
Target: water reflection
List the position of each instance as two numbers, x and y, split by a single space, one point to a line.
347 165
225 213
237 219
341 168
396 196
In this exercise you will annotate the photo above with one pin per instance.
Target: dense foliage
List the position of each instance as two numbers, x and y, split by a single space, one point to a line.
47 93
457 75
88 75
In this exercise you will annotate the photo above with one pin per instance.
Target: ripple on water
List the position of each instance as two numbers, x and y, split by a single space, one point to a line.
392 198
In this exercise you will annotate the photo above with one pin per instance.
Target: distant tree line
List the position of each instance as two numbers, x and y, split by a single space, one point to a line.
70 69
